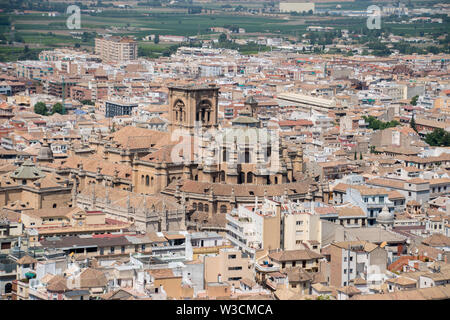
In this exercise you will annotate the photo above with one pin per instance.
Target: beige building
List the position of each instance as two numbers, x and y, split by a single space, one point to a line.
164 281
27 187
116 49
300 225
230 265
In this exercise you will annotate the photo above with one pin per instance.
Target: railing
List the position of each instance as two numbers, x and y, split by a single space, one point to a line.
266 268
201 250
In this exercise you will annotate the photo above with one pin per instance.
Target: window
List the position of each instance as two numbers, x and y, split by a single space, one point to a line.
102 251
351 271
345 271
351 258
234 268
143 247
6 245
299 223
231 256
122 249
345 259
293 263
112 249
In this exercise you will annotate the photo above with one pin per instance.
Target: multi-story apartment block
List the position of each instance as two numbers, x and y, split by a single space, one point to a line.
255 228
352 259
300 224
116 49
230 265
116 108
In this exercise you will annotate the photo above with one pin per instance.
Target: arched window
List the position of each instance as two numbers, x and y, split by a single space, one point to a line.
54 205
276 180
196 177
142 179
194 205
222 176
8 287
200 206
223 209
206 208
249 177
147 180
152 181
241 178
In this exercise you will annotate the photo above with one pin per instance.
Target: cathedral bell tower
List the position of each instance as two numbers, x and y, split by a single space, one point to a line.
191 104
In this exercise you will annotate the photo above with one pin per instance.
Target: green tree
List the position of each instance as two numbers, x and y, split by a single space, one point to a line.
438 138
222 38
376 124
156 40
58 108
414 100
40 108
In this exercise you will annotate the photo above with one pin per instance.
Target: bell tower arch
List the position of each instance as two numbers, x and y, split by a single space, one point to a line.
193 104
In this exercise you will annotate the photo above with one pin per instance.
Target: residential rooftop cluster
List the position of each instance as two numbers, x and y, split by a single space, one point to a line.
215 175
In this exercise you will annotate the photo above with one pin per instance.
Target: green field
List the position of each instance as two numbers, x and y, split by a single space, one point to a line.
41 31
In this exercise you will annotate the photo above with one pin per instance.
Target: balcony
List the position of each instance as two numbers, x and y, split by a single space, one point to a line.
266 268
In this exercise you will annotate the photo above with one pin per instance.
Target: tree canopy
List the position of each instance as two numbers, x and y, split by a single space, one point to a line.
376 124
438 138
40 108
58 108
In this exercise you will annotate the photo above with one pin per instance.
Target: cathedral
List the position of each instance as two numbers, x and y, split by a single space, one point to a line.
206 167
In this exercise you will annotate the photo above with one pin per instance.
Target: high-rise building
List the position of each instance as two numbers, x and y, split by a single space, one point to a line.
116 49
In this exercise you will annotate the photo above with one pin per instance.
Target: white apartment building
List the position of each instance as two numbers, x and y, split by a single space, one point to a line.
254 228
